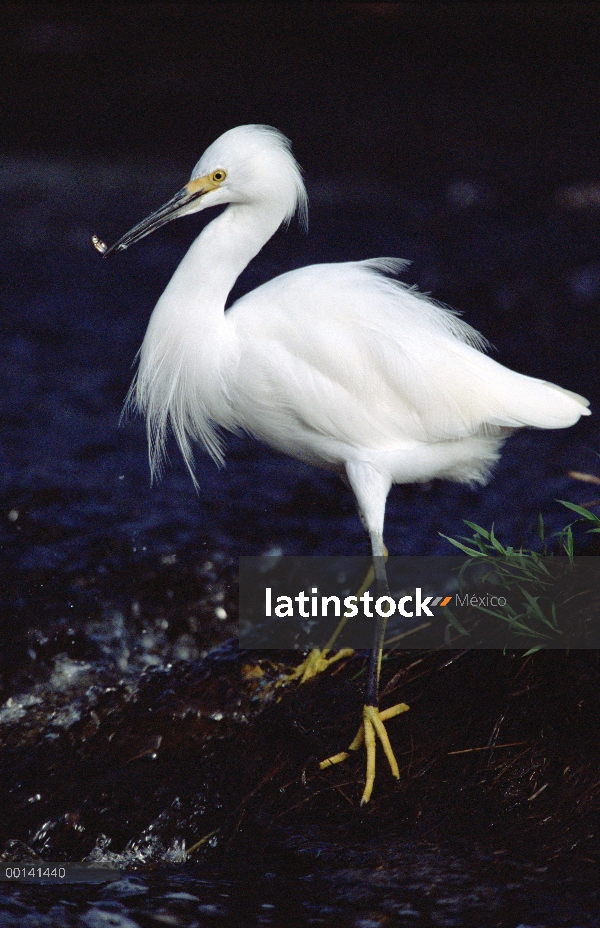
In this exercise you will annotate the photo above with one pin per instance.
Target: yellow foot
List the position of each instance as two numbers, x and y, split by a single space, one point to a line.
372 726
316 662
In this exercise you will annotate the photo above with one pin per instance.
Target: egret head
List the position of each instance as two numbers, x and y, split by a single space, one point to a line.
249 164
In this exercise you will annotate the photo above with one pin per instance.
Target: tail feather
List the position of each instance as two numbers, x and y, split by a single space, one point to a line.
542 405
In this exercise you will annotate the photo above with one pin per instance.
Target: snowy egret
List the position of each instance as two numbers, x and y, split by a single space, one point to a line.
338 365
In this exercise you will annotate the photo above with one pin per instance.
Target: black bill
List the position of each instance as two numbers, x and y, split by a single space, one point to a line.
170 210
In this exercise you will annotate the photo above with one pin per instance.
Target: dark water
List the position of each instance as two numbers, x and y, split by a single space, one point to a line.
73 323
471 150
420 885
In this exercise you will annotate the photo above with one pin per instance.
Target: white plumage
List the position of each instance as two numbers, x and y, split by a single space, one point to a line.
335 364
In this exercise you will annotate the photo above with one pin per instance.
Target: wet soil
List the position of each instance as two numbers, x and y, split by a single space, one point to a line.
200 777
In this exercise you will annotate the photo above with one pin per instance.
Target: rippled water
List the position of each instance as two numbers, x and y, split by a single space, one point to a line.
421 884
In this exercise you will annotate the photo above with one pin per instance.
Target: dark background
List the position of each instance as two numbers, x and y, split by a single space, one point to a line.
460 136
463 137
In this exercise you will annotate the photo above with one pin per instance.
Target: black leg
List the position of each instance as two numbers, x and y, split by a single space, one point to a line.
382 589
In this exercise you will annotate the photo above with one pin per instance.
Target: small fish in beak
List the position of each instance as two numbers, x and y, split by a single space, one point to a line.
176 206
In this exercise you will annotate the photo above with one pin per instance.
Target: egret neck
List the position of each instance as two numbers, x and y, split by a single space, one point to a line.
179 380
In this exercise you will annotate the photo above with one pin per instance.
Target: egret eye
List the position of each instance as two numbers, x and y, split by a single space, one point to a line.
218 176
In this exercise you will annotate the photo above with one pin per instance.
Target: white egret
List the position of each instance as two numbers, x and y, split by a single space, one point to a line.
337 365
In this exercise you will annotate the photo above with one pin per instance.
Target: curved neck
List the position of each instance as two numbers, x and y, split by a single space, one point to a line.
178 379
218 256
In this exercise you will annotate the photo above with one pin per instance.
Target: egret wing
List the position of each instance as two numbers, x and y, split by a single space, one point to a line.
342 351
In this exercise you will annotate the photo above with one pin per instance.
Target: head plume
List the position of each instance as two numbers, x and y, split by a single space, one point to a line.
260 166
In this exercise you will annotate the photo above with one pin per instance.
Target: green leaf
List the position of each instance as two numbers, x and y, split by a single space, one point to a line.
568 545
454 621
497 544
477 528
462 547
580 510
533 602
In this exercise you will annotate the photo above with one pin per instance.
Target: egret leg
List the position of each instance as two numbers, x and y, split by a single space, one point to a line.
318 660
372 726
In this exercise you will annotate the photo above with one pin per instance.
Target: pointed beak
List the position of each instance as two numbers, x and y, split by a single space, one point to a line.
176 206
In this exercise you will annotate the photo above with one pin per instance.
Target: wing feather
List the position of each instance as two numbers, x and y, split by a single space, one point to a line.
344 351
